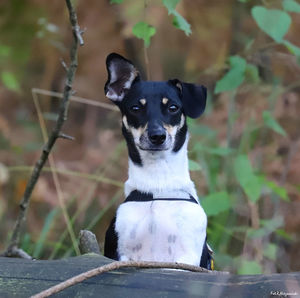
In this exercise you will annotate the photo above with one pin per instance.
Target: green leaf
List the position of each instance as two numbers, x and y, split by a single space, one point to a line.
270 251
291 5
272 224
273 22
180 22
252 74
43 236
249 267
282 233
4 51
194 166
268 226
144 31
280 191
9 81
234 77
251 183
170 5
220 151
272 123
292 49
116 1
215 203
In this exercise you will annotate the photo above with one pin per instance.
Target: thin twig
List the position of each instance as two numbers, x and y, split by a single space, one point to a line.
16 235
117 265
93 177
83 100
57 184
66 137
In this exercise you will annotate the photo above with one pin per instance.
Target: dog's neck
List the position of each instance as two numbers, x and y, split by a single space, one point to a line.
164 174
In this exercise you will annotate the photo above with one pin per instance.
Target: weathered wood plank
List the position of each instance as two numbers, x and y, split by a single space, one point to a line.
22 278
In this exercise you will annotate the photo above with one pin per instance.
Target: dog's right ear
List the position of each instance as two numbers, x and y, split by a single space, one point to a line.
121 75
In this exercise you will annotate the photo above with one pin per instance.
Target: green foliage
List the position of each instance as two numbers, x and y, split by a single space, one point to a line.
170 5
251 74
273 22
215 203
234 77
249 267
270 251
43 235
194 166
144 31
10 81
178 20
268 226
220 151
293 49
278 190
272 123
116 1
251 183
291 5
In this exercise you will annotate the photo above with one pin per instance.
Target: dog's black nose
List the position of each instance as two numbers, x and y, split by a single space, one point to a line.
157 138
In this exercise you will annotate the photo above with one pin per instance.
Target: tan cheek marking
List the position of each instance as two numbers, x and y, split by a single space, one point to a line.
143 101
137 132
170 129
125 122
182 121
165 100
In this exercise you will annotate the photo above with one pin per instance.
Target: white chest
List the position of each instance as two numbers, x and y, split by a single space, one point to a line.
163 231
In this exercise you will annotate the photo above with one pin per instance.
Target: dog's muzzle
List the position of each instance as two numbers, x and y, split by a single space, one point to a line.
155 140
157 136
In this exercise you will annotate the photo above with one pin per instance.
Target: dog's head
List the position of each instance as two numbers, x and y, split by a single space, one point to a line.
153 113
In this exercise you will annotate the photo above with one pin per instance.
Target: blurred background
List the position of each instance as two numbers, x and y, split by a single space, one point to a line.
244 151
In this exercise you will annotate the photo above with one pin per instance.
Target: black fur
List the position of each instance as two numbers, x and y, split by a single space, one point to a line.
132 150
125 88
193 97
206 258
180 137
111 241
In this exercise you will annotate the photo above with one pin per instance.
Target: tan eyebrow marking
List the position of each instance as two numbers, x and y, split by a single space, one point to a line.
165 100
143 101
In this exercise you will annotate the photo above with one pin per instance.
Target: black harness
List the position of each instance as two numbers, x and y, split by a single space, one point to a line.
137 196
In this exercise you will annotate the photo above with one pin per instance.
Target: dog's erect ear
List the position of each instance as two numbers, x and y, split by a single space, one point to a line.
193 97
121 74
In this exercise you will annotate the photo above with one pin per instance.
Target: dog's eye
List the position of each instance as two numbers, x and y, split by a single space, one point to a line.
135 108
173 108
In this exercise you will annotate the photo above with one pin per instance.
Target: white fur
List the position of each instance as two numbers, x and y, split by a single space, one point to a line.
162 173
164 231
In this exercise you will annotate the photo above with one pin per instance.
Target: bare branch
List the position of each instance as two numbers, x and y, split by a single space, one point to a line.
64 65
117 265
67 137
15 252
55 134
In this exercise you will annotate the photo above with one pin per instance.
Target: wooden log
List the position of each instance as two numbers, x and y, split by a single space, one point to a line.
23 278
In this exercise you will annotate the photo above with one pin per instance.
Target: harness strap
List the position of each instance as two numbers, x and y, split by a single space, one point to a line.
137 196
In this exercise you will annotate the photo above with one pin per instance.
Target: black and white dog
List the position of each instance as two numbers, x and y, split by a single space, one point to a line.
161 219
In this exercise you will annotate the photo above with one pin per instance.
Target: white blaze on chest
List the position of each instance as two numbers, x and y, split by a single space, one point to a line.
170 231
161 173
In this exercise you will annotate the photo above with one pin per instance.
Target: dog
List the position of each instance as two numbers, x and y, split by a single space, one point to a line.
161 219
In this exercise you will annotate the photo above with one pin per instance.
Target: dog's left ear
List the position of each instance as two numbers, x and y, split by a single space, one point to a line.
121 74
193 97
